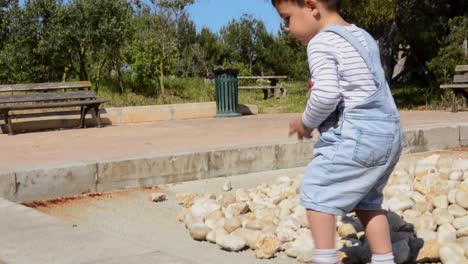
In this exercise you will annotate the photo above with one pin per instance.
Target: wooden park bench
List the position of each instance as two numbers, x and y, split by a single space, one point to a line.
459 86
274 87
49 95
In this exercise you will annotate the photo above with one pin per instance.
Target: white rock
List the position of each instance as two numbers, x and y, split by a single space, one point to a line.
457 210
157 197
236 209
267 247
211 236
425 221
242 196
461 164
400 203
230 242
461 222
440 201
463 242
284 179
202 207
231 224
462 232
446 234
285 234
214 223
410 213
347 231
427 235
423 207
452 253
227 186
251 237
290 222
302 245
442 216
199 231
418 197
456 175
186 199
462 198
287 204
451 196
396 190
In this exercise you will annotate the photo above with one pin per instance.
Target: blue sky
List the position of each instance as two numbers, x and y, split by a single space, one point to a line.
216 13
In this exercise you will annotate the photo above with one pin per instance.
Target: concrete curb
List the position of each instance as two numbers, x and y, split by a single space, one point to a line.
123 115
47 182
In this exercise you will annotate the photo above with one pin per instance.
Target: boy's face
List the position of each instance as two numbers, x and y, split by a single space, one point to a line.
299 21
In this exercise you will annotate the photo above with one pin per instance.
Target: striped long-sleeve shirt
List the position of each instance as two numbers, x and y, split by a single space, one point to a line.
339 75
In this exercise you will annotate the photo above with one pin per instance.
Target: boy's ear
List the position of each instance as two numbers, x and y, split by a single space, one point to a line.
311 5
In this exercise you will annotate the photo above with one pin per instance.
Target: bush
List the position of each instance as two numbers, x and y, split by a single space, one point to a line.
451 53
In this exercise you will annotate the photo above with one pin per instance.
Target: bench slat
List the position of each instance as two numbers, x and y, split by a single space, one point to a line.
461 68
49 96
259 87
44 86
51 105
454 86
461 78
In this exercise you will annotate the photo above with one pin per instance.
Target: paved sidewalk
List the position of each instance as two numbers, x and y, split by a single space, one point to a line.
51 147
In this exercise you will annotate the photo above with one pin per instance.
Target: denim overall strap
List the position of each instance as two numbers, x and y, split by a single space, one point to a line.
366 54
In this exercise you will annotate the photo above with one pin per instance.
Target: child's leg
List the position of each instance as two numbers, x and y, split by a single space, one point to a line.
323 228
378 234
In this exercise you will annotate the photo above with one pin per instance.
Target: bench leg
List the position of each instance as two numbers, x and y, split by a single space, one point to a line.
82 117
96 116
454 101
8 124
265 94
284 92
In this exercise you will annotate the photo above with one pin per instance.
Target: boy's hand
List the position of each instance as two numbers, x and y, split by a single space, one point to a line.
297 127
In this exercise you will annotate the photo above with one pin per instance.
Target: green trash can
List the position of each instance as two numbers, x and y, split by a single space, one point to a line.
227 92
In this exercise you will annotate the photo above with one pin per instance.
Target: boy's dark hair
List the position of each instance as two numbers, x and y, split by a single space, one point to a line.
332 4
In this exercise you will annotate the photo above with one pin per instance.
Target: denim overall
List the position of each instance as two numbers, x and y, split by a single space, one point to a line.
358 147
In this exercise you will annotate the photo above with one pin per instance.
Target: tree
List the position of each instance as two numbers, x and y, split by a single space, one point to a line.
424 25
29 52
452 52
94 30
377 17
168 13
243 40
211 46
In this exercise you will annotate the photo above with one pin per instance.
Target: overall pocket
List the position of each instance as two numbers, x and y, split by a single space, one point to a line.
372 149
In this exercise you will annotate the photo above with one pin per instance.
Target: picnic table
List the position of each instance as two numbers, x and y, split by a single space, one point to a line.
459 86
274 85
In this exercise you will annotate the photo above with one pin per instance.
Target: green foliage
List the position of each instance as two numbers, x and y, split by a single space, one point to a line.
451 52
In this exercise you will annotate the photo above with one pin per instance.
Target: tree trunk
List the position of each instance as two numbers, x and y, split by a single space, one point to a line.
83 71
98 73
119 76
161 77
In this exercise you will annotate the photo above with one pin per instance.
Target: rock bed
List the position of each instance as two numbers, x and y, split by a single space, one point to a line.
426 199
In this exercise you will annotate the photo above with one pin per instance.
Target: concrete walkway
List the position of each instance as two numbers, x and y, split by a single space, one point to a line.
76 145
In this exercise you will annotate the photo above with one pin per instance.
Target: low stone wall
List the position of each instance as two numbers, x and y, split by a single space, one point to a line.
122 115
46 182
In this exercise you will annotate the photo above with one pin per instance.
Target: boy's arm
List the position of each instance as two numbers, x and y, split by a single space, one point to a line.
326 92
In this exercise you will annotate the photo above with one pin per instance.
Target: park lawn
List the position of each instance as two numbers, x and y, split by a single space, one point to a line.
197 90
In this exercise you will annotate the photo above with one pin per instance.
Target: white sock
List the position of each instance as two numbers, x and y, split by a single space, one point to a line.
383 259
325 256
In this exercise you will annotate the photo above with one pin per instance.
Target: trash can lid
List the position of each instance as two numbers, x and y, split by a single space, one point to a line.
229 71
